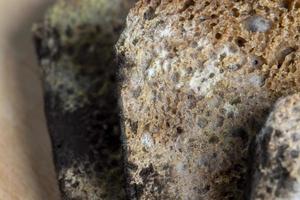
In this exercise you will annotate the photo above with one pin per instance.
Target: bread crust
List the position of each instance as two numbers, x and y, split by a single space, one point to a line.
198 80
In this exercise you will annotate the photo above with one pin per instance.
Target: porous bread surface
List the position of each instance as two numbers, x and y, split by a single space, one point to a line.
198 80
277 174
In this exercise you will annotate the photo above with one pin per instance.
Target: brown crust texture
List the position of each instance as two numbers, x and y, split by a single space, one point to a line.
277 165
198 79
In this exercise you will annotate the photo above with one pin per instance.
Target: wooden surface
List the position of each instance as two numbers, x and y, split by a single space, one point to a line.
26 167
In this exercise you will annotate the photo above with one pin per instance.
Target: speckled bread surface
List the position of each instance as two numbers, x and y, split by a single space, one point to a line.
277 163
198 79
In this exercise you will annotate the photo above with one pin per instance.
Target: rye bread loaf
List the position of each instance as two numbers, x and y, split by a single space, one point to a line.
198 79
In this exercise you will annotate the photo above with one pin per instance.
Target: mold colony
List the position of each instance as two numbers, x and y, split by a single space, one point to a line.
75 46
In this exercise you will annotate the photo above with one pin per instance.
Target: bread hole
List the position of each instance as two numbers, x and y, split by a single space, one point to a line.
179 130
291 18
267 9
167 124
213 140
235 12
284 53
211 75
187 4
174 111
240 133
205 189
135 41
149 14
222 56
181 19
287 4
189 70
194 44
219 121
297 5
218 36
252 12
191 17
240 41
213 24
206 3
257 62
213 16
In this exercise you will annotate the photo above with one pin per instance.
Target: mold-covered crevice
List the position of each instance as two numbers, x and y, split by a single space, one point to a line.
75 48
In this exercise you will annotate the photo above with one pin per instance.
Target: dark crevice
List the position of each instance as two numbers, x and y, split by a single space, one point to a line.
281 55
187 4
86 138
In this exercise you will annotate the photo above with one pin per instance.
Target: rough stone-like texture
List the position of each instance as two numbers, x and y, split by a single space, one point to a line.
198 79
277 166
75 45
